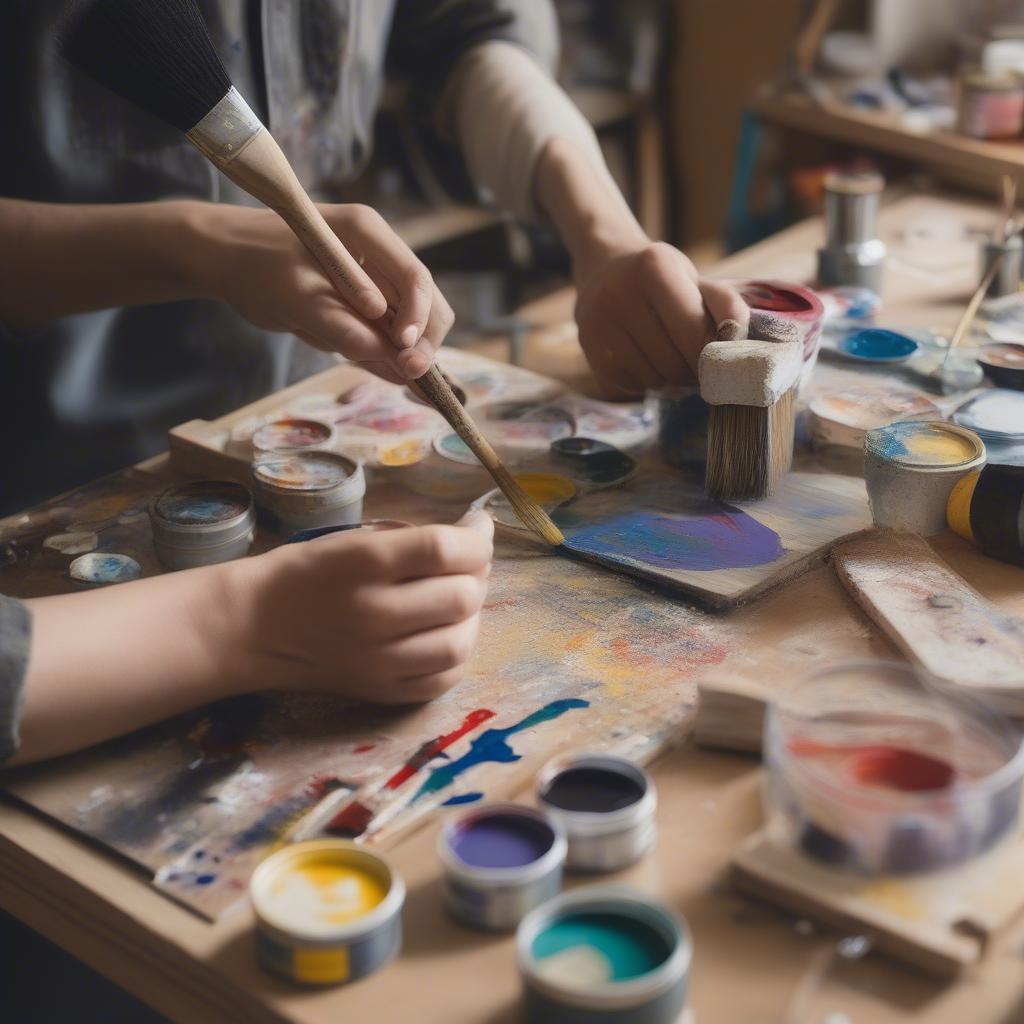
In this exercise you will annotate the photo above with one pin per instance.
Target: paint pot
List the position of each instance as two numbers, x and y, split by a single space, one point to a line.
1007 275
327 911
873 768
986 507
852 254
990 106
604 954
293 435
100 568
518 429
549 490
876 345
1004 365
843 418
793 303
201 523
996 415
606 805
452 472
592 463
306 490
500 861
910 469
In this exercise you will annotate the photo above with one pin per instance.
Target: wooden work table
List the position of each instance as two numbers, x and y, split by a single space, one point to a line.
753 964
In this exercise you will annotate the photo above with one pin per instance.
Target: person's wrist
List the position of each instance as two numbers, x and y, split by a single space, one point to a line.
201 245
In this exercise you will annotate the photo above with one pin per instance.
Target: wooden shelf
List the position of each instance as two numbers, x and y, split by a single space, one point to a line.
884 133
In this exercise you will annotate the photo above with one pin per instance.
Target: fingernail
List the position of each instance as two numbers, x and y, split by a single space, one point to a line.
729 330
409 336
413 364
477 519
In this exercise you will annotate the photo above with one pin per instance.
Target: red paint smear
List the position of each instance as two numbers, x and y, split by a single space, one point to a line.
432 748
353 819
886 766
365 748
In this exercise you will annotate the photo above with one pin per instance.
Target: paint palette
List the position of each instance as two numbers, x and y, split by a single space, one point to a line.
996 415
663 528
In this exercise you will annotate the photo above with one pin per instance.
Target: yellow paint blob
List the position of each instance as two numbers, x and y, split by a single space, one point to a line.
931 446
407 453
327 890
547 488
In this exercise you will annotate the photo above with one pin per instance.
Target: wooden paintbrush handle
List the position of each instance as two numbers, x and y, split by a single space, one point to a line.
262 169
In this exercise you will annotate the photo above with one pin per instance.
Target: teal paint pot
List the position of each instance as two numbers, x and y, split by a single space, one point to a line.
604 955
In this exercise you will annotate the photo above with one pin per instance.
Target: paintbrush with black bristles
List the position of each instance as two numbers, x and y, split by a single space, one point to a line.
159 55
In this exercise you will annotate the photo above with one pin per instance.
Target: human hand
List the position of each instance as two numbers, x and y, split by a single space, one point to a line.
644 314
251 260
389 617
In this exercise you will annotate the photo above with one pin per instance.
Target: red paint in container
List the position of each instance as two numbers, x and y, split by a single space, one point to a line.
882 765
791 302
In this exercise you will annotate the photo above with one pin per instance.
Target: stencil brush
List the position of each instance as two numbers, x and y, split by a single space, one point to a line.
158 54
751 387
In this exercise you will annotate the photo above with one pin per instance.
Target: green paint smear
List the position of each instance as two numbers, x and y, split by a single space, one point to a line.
630 946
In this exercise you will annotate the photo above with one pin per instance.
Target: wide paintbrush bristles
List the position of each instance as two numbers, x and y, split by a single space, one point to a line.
156 53
750 448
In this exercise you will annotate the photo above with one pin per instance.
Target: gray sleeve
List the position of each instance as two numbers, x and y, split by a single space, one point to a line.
15 638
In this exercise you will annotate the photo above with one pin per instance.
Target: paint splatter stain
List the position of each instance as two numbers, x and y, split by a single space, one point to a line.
463 798
100 569
711 536
492 746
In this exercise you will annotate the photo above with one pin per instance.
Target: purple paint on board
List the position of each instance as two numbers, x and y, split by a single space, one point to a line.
501 840
709 537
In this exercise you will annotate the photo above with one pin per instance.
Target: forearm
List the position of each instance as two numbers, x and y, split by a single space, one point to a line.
58 259
590 214
107 662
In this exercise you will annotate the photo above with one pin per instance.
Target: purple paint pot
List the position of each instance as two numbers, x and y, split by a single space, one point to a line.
500 861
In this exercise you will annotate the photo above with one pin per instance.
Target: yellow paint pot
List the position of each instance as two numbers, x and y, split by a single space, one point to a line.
549 490
327 911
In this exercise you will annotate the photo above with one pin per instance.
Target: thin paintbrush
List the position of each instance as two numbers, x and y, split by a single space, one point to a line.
158 54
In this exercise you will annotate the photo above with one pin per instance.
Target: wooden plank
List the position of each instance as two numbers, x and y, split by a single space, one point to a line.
942 922
662 528
934 616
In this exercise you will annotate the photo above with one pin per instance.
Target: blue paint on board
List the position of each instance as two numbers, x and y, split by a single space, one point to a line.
492 746
463 798
876 345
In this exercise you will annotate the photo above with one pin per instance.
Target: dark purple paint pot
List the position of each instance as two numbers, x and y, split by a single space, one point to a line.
501 861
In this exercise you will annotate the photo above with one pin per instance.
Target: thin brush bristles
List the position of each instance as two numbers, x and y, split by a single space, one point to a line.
530 513
749 448
156 53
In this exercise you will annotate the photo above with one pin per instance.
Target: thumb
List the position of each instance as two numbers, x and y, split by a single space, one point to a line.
477 519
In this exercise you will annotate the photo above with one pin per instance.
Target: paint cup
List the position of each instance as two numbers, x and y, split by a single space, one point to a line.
1007 275
991 106
986 507
873 768
592 463
327 911
1004 365
606 805
910 469
293 435
307 490
202 523
604 954
500 861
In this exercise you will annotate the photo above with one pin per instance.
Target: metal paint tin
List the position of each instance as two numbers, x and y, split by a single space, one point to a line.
910 469
604 955
201 523
1003 364
1010 255
307 490
500 861
606 805
293 435
327 911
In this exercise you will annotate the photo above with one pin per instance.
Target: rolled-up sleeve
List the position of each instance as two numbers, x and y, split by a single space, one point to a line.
15 639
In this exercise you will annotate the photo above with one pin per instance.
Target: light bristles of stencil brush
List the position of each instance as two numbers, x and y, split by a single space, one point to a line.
750 448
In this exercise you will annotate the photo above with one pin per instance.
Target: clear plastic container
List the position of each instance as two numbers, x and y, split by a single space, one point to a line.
871 767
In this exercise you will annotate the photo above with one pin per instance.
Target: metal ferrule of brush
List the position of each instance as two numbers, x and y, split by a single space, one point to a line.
226 130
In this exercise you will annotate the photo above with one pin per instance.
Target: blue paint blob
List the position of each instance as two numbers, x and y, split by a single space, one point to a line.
492 746
711 536
503 839
102 568
463 798
631 947
876 345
